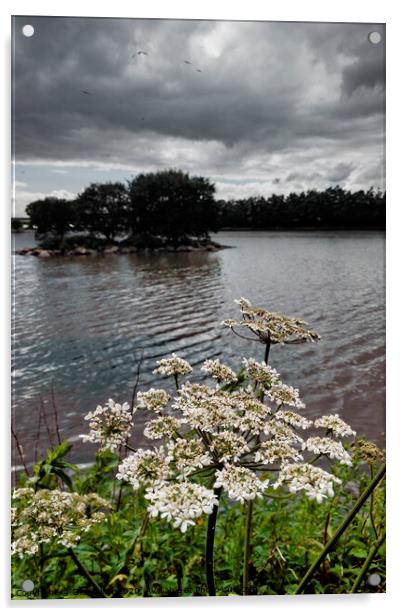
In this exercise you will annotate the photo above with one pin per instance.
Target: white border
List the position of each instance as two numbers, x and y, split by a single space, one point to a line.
286 10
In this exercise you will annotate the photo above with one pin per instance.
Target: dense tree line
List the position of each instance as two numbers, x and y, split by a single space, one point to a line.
174 206
331 208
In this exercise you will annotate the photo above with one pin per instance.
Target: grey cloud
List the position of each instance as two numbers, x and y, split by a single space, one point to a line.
364 73
340 172
270 95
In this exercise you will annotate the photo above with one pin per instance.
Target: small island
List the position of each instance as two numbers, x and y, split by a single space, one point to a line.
171 211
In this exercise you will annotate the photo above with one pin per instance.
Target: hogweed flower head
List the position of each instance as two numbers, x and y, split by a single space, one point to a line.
285 394
273 450
162 427
327 446
173 366
368 452
281 432
272 327
220 372
335 424
188 455
53 516
229 446
313 480
110 425
260 372
205 408
253 416
144 467
181 502
293 419
240 483
152 400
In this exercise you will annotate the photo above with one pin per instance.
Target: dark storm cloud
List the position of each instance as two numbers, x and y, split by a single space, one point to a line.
269 96
340 173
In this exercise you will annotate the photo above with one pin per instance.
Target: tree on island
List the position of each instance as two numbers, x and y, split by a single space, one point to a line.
51 216
102 209
172 205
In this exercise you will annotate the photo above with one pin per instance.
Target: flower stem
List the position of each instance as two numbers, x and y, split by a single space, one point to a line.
246 558
341 529
372 505
209 549
368 562
267 347
84 571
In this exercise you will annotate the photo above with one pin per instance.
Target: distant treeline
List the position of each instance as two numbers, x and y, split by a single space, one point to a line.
174 206
331 208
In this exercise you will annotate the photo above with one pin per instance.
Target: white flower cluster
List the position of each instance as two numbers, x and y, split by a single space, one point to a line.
327 446
229 446
205 408
271 327
334 423
110 425
187 455
219 372
152 400
173 366
240 483
260 372
161 427
253 415
285 394
51 515
293 419
230 434
144 467
271 451
316 483
181 502
281 432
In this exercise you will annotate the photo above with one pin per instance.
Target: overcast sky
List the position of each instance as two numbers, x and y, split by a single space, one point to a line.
258 107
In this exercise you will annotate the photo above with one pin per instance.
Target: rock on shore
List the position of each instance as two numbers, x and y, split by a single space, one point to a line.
82 251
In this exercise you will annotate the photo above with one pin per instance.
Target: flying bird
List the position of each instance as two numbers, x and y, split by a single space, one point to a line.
198 70
86 92
142 53
187 62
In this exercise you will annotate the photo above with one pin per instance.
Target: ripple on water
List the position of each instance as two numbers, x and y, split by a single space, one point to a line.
80 325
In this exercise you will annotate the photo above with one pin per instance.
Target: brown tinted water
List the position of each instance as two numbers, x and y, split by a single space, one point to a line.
80 324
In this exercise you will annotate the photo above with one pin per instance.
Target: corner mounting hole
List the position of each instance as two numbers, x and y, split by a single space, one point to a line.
374 579
28 30
374 37
28 585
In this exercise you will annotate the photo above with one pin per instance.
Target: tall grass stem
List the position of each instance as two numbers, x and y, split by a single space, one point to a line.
341 529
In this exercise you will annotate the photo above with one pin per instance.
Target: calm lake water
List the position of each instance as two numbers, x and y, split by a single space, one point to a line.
80 324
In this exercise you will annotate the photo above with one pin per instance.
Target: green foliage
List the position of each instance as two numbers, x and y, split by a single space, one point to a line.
53 467
132 555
